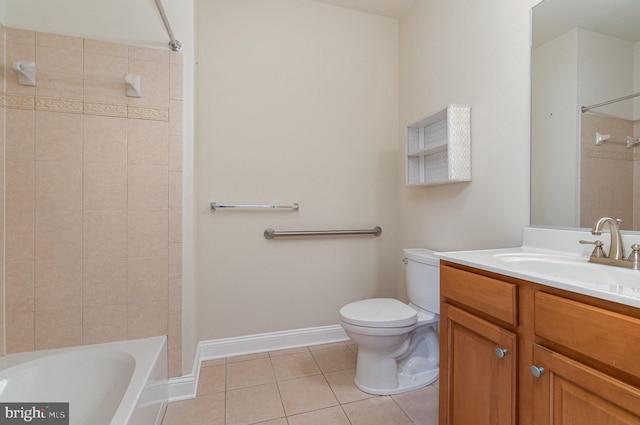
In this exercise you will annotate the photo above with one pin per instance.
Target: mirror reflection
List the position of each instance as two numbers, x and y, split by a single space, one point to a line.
585 165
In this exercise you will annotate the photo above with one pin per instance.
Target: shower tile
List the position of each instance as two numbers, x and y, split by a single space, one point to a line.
174 334
20 135
59 41
17 51
148 142
175 260
149 54
175 362
104 324
58 186
147 234
20 180
20 36
175 153
58 328
58 285
105 48
58 136
148 188
104 139
176 86
104 78
175 118
58 235
147 279
20 332
104 235
19 234
104 281
65 79
175 189
19 289
145 320
175 296
175 225
104 187
155 82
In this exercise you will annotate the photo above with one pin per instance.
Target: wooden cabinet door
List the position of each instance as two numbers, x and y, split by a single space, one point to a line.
570 393
478 383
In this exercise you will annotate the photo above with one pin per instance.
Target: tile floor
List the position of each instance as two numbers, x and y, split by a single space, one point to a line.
303 386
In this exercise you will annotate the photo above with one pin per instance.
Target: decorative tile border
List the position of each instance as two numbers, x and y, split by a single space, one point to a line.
156 114
59 105
622 156
17 101
111 110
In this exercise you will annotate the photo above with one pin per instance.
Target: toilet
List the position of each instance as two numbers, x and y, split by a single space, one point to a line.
398 347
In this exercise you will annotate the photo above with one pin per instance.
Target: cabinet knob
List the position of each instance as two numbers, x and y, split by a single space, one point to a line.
536 371
501 352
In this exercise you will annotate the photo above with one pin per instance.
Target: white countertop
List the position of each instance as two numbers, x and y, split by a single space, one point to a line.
606 282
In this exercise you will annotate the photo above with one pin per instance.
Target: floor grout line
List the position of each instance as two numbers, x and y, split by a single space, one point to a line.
297 365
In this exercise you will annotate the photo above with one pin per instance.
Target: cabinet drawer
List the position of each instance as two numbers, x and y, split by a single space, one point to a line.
485 294
612 338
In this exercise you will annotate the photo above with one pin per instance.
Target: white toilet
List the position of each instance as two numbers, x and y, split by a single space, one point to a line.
398 347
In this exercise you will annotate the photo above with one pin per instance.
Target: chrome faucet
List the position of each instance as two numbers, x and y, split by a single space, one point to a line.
616 249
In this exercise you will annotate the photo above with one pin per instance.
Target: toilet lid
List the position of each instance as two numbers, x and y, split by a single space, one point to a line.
379 313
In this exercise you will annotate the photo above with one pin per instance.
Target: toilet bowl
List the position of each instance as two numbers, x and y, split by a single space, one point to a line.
398 347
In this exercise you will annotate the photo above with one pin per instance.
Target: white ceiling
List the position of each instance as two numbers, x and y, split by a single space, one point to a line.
617 18
391 8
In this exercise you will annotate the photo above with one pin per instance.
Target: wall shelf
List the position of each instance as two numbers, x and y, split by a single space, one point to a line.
439 148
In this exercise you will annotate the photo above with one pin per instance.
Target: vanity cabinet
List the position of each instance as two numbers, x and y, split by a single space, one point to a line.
478 380
570 359
581 358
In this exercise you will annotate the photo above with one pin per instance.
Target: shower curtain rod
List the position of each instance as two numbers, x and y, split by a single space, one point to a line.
173 43
608 102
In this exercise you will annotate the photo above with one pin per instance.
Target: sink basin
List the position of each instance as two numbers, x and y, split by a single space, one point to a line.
565 267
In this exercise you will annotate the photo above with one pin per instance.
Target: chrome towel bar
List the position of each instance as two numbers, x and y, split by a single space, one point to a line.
294 207
270 233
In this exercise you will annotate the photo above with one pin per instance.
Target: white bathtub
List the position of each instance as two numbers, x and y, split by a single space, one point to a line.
119 383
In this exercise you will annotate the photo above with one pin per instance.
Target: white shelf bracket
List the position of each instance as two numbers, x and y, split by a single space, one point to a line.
134 85
601 138
26 72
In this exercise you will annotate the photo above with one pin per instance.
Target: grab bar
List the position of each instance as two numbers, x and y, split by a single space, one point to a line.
215 206
270 233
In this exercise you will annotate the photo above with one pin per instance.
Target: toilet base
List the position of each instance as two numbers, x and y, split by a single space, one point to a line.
406 382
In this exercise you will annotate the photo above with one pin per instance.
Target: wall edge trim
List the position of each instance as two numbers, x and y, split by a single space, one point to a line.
184 387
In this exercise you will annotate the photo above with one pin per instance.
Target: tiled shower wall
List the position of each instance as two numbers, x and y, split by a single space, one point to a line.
92 195
610 172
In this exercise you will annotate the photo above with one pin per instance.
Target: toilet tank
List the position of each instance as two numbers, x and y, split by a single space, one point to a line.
423 279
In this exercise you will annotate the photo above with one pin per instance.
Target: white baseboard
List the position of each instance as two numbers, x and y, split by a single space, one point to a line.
184 387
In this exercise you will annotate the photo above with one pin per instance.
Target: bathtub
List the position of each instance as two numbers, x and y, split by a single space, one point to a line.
119 383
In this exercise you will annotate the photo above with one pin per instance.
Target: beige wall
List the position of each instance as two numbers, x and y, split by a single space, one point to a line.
92 190
297 101
474 53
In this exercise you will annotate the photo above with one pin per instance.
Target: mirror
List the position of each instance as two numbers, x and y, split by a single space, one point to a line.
585 53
